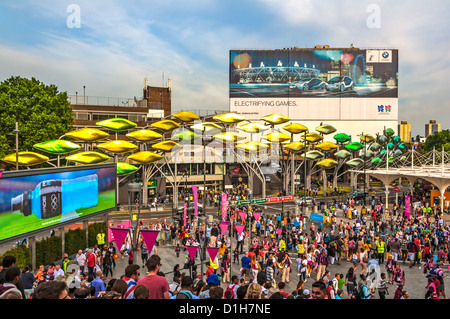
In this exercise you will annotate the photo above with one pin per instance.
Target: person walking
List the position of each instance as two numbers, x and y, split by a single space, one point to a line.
157 285
322 264
380 249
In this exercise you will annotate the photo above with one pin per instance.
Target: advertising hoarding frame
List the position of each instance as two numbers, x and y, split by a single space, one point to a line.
372 87
51 170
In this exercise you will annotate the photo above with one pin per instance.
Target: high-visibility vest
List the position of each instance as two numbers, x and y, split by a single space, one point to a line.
282 245
65 262
380 247
101 239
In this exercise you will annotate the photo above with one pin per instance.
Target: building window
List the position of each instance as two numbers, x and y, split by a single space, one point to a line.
82 116
101 116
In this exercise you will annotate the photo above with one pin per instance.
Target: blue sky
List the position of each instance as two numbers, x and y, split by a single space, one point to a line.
119 43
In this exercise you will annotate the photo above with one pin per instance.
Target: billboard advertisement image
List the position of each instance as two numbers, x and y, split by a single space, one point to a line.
332 85
299 73
32 200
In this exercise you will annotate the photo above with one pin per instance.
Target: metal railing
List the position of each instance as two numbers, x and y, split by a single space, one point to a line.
104 100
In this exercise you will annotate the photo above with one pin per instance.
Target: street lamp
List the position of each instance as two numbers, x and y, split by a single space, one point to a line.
17 145
133 189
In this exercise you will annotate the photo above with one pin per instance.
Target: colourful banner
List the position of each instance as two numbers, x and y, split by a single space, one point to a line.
279 232
126 224
185 213
256 216
119 235
212 251
224 206
408 207
194 191
316 217
243 215
192 250
149 238
224 226
240 229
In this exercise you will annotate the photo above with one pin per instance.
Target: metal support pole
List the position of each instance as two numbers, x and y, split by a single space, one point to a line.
304 177
17 145
204 174
292 169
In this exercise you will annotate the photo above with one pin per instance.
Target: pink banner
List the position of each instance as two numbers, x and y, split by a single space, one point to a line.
224 227
149 238
408 207
126 224
279 232
224 206
243 215
192 250
256 216
119 235
194 191
212 251
185 213
240 229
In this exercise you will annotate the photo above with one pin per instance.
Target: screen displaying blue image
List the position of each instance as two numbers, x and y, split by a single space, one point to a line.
49 197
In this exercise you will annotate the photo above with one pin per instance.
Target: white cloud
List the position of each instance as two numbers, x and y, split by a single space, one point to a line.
121 43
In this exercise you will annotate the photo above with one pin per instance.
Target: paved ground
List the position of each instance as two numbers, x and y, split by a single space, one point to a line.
415 279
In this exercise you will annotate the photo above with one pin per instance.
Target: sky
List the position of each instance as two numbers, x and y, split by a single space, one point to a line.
111 46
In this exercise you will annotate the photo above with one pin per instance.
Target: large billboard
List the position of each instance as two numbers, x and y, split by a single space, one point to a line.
311 84
36 199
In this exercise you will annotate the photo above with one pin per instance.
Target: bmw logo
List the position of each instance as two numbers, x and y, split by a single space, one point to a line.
385 54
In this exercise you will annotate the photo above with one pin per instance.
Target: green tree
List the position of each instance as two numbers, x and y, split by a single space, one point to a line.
43 113
437 140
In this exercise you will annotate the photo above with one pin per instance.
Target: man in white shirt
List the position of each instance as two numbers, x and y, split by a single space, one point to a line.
175 286
335 283
58 271
81 259
132 273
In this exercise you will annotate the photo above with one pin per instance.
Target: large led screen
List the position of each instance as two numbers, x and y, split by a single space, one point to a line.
32 200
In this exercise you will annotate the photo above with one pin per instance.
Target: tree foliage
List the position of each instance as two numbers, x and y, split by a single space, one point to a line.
43 113
438 139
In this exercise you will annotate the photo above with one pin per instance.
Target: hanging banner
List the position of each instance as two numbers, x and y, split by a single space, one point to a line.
224 226
408 207
149 238
212 251
126 224
185 213
316 217
279 232
243 215
240 229
192 250
256 216
194 191
119 235
224 206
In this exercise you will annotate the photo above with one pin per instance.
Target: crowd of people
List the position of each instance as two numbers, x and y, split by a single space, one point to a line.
271 251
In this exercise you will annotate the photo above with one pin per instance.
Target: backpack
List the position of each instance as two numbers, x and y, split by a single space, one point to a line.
231 290
188 295
356 294
4 289
351 244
